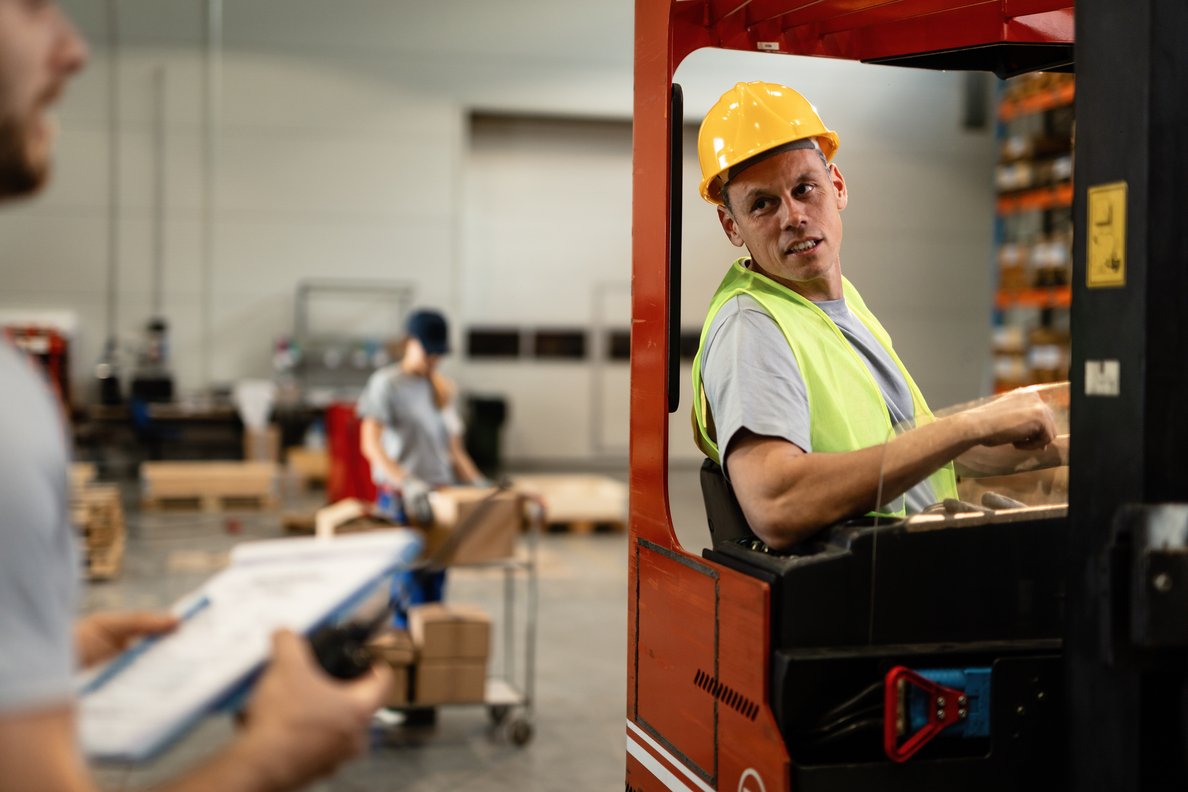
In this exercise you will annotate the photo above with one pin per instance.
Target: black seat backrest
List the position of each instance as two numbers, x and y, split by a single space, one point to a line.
727 523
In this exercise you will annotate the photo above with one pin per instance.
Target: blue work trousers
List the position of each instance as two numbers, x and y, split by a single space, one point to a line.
413 587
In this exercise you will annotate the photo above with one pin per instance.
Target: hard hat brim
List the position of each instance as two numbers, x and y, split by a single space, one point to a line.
711 184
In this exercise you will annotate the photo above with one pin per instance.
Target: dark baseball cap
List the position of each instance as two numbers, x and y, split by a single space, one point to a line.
430 328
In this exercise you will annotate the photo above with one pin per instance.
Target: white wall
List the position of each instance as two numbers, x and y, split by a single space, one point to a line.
345 151
323 172
548 244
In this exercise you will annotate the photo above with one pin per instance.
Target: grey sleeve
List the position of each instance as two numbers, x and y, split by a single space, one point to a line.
37 569
751 377
375 401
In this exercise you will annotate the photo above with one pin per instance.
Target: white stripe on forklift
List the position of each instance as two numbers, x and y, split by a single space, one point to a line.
678 764
662 773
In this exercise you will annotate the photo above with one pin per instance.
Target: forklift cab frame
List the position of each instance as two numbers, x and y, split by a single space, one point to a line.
718 645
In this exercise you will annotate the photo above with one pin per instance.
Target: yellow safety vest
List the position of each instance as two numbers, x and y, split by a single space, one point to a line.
847 407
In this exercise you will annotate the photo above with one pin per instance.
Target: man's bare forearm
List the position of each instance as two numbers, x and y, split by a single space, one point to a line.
787 495
372 447
797 494
464 467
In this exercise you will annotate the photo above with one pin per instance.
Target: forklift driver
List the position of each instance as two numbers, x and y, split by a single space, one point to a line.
797 386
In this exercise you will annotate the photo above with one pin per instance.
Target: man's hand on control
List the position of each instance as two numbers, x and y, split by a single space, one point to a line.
101 636
1019 418
301 723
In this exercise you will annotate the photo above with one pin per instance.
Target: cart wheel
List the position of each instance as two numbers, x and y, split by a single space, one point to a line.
498 713
520 732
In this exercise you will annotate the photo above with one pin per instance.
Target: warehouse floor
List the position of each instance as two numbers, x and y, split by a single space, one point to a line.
581 685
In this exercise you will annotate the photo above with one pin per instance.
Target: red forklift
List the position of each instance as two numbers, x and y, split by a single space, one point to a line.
1042 647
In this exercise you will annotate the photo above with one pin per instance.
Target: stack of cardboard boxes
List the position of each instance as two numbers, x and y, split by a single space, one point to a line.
442 659
395 648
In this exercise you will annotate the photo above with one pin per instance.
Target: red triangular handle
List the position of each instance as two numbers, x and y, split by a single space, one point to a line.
942 712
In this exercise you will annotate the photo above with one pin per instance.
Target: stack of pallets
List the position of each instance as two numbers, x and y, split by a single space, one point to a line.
208 486
96 511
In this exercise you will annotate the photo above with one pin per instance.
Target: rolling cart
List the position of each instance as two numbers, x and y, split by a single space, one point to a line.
510 696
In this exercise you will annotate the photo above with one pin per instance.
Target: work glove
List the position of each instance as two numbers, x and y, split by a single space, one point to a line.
415 494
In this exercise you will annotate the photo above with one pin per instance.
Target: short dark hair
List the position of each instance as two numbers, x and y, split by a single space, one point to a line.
726 198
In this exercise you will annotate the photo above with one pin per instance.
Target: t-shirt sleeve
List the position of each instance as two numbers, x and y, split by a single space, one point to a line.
751 378
37 571
452 419
375 401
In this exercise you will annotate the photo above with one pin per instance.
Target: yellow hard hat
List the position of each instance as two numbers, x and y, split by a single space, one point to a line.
750 119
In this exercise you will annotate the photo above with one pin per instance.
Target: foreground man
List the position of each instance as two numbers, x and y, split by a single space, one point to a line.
797 386
300 724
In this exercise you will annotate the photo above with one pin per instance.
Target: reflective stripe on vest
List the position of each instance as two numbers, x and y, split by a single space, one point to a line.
847 408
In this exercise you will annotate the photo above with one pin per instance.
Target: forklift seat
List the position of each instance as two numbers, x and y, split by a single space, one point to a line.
727 523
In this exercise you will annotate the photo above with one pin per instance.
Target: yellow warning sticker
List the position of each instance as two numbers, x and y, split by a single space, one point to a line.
1105 259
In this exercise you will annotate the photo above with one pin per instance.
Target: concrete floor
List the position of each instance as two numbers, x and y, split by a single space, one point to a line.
581 661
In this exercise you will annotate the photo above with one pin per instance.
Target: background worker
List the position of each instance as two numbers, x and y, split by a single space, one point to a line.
797 385
300 723
412 436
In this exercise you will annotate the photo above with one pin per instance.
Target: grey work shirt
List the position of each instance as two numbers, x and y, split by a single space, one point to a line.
752 380
37 553
416 432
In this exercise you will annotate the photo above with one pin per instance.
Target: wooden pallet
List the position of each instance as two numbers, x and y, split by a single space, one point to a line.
210 503
104 563
308 466
587 527
209 486
81 474
579 504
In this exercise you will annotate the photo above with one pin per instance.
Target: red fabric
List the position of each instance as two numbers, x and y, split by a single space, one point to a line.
350 473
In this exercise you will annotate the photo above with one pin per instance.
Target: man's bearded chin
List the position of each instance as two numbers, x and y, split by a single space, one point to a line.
19 175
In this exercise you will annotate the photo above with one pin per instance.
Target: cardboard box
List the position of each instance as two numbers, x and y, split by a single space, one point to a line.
395 647
449 632
450 681
491 536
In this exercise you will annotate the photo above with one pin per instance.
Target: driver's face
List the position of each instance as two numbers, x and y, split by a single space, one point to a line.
787 211
39 51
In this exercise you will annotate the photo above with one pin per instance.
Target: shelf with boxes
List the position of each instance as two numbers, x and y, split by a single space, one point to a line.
1030 340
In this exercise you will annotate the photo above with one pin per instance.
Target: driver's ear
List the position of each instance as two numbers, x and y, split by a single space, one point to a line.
730 226
839 186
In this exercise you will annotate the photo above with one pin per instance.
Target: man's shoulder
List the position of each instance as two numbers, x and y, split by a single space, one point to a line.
739 305
744 330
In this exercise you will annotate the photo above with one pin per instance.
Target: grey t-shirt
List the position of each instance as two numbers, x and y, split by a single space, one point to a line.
416 432
752 380
37 553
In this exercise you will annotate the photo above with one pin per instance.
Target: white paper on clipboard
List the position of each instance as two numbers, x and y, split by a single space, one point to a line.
283 583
